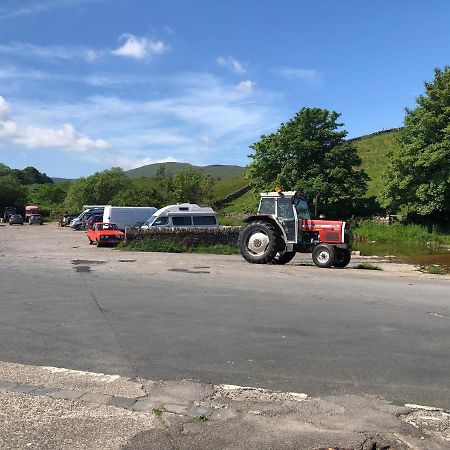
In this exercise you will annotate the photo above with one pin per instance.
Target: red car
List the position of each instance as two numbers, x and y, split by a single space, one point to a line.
102 233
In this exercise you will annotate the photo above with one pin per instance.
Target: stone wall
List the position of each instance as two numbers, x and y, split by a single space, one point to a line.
190 237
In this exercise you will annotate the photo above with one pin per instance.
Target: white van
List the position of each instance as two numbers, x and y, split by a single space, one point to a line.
182 215
127 216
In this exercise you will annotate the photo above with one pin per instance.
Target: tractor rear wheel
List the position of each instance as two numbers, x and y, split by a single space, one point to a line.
283 258
258 242
324 255
343 257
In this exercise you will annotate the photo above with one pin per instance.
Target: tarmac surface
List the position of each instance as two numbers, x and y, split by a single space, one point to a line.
356 342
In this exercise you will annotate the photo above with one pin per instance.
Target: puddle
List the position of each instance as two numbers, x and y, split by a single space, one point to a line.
411 254
189 271
83 269
77 262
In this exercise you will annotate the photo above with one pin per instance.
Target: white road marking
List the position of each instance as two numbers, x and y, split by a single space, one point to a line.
101 376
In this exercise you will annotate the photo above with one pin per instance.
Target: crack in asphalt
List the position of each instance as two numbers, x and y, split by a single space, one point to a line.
131 363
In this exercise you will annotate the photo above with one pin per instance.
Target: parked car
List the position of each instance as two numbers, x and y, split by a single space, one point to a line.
182 215
103 233
16 219
93 219
77 223
35 219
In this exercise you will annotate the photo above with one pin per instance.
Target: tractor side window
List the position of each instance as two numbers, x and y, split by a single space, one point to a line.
267 206
285 209
302 209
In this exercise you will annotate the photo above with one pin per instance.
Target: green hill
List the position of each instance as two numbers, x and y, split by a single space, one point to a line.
373 150
216 171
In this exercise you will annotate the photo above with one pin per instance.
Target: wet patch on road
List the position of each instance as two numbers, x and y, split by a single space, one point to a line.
83 269
127 260
77 262
176 269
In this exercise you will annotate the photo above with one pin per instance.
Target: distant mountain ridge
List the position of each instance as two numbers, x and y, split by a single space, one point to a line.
217 171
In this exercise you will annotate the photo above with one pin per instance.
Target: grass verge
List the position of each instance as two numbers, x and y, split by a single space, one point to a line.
400 234
367 266
434 269
172 246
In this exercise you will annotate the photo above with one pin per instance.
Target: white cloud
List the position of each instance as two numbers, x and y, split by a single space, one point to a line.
50 52
139 47
65 137
310 75
42 6
246 86
128 162
230 63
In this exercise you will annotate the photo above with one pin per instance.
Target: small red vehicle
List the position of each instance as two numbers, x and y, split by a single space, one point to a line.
102 233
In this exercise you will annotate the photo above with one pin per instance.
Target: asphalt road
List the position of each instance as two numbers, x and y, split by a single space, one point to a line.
219 319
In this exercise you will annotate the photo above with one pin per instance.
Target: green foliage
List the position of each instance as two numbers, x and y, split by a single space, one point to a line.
191 186
367 266
399 233
435 269
48 196
173 246
418 176
201 418
29 175
97 189
310 155
138 196
12 193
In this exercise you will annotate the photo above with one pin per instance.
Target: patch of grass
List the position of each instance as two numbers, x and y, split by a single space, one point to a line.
158 411
434 269
201 418
149 245
172 246
217 249
367 266
399 233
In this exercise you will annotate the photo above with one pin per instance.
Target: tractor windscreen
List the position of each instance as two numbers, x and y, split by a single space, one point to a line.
302 209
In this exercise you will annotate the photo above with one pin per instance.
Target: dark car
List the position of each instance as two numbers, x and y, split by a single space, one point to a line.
93 219
16 219
35 219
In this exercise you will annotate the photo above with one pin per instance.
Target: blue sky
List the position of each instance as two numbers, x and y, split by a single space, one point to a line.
90 84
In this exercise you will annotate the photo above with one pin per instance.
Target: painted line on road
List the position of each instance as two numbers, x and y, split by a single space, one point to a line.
101 376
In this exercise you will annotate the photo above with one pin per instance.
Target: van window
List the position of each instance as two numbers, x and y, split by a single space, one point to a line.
159 221
181 221
204 220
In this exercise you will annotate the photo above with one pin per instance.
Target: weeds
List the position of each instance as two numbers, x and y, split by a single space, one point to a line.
158 411
201 418
367 266
434 269
172 246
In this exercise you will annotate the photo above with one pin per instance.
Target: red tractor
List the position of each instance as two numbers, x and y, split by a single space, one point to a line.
283 226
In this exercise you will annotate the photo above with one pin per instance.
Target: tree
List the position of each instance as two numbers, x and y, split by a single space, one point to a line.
191 186
12 193
52 195
138 196
418 174
309 154
97 189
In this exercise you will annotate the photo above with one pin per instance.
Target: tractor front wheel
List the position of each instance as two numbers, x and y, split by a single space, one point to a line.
258 242
324 255
343 257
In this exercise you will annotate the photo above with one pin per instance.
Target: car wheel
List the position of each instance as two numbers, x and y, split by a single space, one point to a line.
324 255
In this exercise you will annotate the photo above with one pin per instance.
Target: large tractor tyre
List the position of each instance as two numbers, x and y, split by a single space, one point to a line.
283 258
324 255
343 257
259 242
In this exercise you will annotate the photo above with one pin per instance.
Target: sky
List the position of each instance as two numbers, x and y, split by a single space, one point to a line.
90 84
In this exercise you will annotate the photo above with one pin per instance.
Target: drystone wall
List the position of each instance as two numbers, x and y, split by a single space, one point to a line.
191 237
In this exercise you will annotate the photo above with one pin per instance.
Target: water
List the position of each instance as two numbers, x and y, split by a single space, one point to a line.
409 253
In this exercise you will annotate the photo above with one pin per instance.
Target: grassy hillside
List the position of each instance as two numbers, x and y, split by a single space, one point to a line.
216 171
373 150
